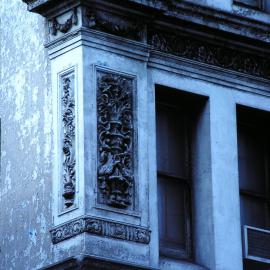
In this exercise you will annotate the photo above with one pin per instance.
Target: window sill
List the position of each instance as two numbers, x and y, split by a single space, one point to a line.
172 264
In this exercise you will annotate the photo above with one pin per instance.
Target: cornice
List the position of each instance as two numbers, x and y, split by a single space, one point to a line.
171 10
179 28
213 18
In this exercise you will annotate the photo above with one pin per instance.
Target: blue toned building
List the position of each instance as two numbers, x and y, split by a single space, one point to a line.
135 134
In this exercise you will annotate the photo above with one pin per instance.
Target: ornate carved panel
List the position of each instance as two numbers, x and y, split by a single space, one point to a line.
100 227
68 139
115 139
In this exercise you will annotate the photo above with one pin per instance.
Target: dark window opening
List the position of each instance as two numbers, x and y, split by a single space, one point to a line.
253 165
175 116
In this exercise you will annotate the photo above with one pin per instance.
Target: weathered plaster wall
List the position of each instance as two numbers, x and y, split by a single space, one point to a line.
26 140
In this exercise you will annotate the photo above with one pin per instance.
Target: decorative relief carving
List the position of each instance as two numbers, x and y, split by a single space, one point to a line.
115 26
204 52
115 139
67 230
185 46
66 26
68 139
100 227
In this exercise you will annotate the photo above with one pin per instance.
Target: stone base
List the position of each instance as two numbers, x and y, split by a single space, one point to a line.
93 263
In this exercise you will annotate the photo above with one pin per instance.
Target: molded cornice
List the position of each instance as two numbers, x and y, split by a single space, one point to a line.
179 28
169 11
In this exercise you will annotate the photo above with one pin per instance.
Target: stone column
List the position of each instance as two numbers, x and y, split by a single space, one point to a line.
225 186
100 195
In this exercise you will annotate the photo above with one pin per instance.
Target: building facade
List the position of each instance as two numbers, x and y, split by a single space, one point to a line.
135 134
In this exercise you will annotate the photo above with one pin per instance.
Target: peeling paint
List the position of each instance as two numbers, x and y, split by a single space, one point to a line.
26 144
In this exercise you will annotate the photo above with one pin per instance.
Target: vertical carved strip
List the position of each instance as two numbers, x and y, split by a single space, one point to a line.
115 137
68 139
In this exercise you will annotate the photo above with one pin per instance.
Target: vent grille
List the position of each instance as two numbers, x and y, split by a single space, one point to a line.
257 244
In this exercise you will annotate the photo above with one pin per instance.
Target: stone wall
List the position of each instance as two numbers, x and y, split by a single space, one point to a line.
85 43
26 140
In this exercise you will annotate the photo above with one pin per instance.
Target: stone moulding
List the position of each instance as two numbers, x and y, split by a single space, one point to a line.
203 15
100 227
197 49
166 39
208 53
115 139
68 138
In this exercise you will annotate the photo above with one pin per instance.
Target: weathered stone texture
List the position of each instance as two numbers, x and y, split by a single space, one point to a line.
100 203
25 112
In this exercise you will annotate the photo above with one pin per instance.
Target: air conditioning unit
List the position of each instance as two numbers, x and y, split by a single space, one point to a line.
257 244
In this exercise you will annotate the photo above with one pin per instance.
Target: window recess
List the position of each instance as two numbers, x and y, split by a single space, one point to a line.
175 115
253 165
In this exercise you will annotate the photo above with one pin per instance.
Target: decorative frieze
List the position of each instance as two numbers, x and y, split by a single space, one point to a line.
162 38
68 139
100 227
55 26
115 139
217 55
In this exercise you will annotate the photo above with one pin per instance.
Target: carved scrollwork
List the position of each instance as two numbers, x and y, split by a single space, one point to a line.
68 230
100 227
204 52
93 226
66 26
115 139
68 140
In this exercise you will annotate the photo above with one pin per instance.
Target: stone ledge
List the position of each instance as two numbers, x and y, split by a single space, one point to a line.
233 58
100 227
85 262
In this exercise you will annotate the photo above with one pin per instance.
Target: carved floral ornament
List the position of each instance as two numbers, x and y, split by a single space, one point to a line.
115 128
68 139
186 46
201 51
55 26
100 227
169 41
